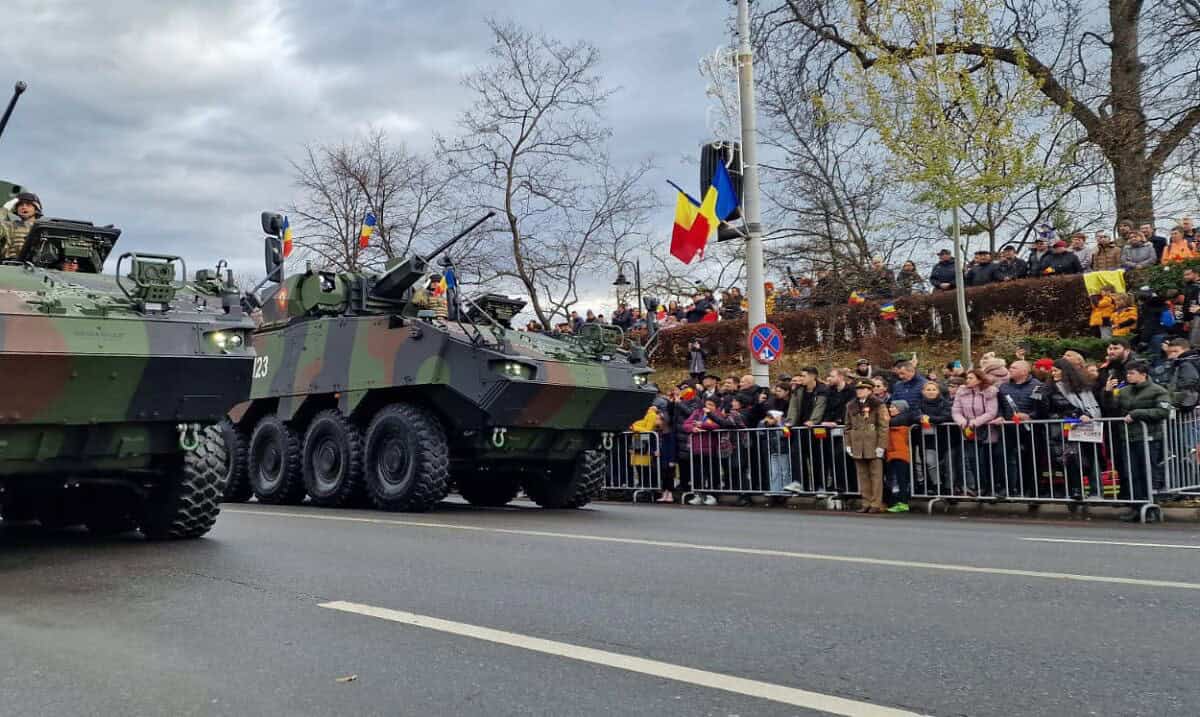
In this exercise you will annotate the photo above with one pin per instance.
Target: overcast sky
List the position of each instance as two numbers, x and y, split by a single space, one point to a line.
176 120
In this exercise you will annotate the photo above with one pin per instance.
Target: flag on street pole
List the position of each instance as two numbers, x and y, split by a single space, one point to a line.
694 224
287 237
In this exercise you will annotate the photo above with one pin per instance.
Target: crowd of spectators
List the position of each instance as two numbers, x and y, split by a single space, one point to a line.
1049 256
964 418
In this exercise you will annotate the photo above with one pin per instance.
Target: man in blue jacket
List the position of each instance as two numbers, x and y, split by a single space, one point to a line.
942 276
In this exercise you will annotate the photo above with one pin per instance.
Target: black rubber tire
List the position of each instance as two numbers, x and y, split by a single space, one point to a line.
407 459
237 447
274 460
488 489
188 507
580 487
332 444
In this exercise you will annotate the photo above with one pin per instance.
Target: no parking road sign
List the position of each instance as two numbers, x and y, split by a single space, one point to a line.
766 343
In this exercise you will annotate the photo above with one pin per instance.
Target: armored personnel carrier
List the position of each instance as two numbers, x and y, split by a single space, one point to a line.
114 384
362 392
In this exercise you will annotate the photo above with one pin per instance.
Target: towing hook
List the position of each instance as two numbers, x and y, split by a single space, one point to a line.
189 436
606 441
498 437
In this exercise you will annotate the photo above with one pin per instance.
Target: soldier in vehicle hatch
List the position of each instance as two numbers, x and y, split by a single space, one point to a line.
15 229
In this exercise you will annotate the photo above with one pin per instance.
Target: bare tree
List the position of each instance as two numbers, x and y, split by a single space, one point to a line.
533 148
409 194
1118 68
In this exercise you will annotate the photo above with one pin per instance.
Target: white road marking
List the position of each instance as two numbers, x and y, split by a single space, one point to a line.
763 552
1113 542
689 675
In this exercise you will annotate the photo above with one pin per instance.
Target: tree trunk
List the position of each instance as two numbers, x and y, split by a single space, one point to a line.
1125 142
1134 186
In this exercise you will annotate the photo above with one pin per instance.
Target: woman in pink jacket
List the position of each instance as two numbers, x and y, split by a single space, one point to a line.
976 405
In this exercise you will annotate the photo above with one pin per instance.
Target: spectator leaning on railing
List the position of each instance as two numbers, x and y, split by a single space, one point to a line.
1143 405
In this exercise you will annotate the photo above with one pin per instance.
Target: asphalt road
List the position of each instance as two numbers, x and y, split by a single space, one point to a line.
651 610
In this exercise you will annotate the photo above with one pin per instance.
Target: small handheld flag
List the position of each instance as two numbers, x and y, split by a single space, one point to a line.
368 228
887 312
287 237
855 299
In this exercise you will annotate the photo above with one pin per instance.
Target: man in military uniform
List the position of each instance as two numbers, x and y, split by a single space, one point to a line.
15 229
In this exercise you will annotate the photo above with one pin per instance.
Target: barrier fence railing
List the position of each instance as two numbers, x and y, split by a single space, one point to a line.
1102 462
635 465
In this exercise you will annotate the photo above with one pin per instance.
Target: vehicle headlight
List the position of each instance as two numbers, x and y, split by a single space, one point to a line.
227 340
640 379
514 369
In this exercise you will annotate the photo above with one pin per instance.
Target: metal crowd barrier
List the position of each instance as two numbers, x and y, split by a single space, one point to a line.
1105 462
1182 457
635 465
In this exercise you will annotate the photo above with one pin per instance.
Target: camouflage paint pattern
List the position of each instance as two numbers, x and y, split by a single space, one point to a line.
314 353
94 385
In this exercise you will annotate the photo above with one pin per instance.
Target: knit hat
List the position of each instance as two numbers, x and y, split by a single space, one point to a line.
901 405
1044 364
987 365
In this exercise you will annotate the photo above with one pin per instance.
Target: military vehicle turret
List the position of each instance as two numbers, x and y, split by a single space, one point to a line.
114 384
372 386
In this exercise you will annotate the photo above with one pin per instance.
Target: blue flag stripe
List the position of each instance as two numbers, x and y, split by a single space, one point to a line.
727 200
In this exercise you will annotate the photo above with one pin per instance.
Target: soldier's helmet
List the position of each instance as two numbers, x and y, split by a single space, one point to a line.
32 199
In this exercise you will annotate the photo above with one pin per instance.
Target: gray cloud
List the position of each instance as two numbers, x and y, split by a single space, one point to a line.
176 120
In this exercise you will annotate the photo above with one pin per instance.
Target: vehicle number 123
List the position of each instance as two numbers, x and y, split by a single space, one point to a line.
261 364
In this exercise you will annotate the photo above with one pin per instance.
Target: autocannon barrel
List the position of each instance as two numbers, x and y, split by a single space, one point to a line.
402 277
12 103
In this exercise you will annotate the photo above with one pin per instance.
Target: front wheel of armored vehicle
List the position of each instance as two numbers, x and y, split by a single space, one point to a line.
237 484
488 489
571 487
275 474
189 502
407 459
333 460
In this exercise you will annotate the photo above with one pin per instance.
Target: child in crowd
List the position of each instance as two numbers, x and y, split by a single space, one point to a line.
1125 315
899 458
779 463
1102 312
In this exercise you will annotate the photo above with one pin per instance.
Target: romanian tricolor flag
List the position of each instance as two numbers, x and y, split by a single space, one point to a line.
287 237
887 312
439 289
855 299
368 228
694 224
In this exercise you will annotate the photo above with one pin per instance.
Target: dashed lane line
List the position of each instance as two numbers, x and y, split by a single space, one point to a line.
1176 546
763 552
702 678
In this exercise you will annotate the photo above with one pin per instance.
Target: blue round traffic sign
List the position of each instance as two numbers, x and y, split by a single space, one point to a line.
766 343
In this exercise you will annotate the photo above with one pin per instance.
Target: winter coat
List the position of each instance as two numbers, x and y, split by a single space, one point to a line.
1058 403
1177 251
1023 397
909 283
1149 322
867 426
706 443
1138 256
1058 264
1106 256
938 410
1035 260
1084 255
1182 380
1102 312
836 402
974 408
807 405
1009 270
1124 321
983 274
696 361
943 273
909 391
1146 403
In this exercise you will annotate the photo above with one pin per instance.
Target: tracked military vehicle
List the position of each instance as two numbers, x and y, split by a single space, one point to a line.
114 384
363 393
